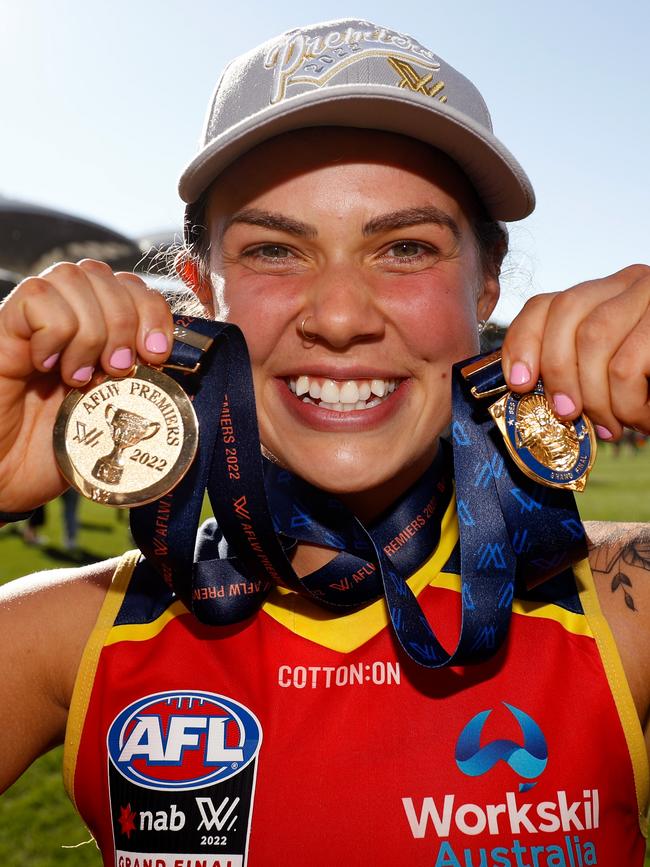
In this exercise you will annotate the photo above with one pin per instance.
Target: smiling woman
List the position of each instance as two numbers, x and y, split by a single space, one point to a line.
330 237
344 216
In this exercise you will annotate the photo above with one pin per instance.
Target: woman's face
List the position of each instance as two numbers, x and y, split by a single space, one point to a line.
365 237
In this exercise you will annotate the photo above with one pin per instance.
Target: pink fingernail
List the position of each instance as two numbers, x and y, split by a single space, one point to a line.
603 433
563 404
83 374
156 342
122 358
519 375
51 360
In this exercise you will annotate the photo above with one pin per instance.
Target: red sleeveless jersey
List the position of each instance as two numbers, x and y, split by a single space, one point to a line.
299 737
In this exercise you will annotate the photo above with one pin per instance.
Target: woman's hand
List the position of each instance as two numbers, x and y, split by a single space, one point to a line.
56 331
591 346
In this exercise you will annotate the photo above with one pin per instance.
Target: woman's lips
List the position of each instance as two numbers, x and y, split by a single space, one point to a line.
358 404
342 395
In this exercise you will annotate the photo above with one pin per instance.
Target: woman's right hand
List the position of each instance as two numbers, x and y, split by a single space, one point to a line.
57 331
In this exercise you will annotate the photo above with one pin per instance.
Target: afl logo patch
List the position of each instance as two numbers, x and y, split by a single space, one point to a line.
182 740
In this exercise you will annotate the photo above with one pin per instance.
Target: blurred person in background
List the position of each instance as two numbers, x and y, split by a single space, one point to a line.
70 506
33 525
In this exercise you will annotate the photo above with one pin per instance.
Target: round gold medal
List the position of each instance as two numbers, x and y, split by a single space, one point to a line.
126 442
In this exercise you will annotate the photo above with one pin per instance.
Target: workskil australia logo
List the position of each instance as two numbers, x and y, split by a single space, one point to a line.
528 760
511 816
183 740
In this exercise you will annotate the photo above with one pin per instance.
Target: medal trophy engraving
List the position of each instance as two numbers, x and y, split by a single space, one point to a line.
126 442
128 429
550 441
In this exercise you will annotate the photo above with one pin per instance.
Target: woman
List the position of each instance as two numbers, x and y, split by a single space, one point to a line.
344 217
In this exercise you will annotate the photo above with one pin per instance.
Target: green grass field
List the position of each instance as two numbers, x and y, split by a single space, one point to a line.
37 822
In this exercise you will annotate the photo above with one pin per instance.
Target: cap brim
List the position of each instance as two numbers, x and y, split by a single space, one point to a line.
499 180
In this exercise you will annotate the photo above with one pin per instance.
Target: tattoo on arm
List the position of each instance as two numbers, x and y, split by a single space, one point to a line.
622 580
613 555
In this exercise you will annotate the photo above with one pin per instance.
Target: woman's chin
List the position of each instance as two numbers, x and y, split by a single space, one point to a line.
335 477
367 487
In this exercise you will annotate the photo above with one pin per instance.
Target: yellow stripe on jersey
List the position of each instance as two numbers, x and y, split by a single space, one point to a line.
572 622
619 687
346 633
85 678
144 631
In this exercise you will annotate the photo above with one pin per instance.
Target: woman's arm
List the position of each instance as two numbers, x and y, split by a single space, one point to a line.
45 621
619 555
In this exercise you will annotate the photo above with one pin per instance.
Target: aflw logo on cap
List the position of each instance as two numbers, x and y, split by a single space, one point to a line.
183 740
314 59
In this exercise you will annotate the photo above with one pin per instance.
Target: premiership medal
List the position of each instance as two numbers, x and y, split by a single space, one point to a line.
556 453
126 441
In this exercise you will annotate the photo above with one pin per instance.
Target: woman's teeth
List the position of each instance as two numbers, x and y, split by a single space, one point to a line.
342 396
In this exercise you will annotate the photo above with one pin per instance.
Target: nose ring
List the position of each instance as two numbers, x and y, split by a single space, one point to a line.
306 336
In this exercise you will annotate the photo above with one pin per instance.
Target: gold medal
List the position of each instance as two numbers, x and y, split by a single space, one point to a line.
128 441
556 453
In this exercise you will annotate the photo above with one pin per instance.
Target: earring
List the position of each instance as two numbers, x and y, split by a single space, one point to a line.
306 336
480 325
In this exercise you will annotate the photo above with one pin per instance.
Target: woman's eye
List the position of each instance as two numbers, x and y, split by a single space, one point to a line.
408 256
406 250
269 251
272 258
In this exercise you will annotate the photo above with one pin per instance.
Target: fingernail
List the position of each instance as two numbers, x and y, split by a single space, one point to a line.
83 374
519 375
563 404
603 433
122 358
51 360
156 342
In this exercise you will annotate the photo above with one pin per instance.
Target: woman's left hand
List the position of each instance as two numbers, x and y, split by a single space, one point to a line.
591 346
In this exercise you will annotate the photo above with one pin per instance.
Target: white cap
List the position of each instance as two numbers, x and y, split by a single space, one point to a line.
356 74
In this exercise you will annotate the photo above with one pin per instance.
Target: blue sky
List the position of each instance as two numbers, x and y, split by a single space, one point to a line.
102 104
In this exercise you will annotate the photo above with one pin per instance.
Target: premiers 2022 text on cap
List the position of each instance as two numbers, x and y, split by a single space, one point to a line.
356 74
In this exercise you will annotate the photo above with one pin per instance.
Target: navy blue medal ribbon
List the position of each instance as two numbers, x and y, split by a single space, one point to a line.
508 523
543 526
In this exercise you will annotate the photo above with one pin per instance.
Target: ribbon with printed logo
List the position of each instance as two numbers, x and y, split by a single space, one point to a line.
510 527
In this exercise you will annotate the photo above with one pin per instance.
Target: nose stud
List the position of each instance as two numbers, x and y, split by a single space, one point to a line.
306 336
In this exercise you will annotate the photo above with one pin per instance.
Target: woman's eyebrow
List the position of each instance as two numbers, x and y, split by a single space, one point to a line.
411 217
385 222
271 220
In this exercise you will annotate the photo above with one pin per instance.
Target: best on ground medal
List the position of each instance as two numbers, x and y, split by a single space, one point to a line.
556 453
128 441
